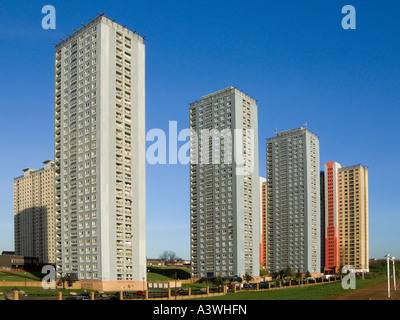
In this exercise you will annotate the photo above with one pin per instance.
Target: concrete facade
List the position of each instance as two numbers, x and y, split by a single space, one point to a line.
34 227
100 153
225 194
353 217
263 224
293 179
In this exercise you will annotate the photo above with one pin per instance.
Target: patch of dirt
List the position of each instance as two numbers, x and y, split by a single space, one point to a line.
377 291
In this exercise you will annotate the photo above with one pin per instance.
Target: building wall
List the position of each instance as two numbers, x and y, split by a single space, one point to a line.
322 190
100 153
34 213
18 262
263 224
313 202
224 195
353 217
331 226
293 179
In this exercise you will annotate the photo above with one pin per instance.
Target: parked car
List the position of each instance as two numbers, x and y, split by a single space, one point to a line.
231 286
183 292
311 280
125 295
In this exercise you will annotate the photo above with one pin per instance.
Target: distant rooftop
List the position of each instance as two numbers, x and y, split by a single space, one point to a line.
291 133
354 166
221 93
28 171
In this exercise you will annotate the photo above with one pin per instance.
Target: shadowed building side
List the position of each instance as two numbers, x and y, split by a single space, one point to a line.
34 225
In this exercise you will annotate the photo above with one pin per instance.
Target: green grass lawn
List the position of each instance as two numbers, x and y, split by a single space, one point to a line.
151 276
38 291
155 274
169 273
19 276
311 292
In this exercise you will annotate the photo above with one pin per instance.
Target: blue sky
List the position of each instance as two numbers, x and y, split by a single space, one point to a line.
292 56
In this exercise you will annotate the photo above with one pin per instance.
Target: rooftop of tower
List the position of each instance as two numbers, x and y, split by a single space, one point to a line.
291 132
355 166
93 22
28 171
222 93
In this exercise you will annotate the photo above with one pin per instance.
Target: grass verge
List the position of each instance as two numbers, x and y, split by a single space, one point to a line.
311 292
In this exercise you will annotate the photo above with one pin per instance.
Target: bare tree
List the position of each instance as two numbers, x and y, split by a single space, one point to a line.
169 256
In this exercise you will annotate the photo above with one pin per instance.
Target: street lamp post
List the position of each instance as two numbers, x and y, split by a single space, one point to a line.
388 258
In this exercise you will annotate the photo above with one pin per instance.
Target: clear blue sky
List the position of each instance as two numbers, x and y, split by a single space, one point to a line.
292 56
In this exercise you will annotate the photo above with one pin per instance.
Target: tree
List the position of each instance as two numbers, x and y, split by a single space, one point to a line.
169 256
219 281
248 277
340 268
288 272
308 274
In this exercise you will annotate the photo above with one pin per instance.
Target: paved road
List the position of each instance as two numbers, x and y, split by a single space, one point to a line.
377 291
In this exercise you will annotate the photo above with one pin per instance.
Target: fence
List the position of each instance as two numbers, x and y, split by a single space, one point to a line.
190 293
